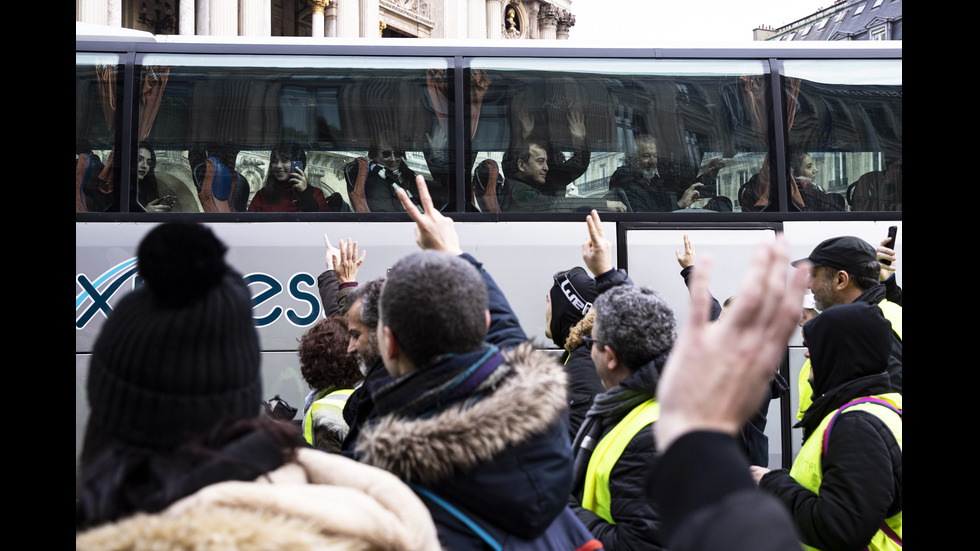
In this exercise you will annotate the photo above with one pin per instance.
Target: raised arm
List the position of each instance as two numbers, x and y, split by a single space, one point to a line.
598 257
434 231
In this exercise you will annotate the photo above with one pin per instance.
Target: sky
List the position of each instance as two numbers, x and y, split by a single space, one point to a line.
684 20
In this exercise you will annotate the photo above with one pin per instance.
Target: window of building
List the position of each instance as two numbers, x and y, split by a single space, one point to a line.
878 34
859 9
877 3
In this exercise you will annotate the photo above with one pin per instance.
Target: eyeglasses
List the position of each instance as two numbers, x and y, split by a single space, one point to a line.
589 341
389 154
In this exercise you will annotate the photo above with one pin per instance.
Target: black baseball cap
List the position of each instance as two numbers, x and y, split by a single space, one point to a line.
851 254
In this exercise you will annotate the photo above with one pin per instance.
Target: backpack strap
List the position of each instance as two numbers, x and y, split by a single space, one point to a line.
868 399
470 523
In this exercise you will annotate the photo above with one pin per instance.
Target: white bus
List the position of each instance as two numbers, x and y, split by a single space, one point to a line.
178 128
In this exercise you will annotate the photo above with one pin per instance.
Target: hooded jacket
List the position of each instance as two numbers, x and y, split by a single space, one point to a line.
503 458
862 468
320 501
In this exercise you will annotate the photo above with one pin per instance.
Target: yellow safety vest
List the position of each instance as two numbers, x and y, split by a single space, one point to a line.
808 471
595 496
336 399
892 313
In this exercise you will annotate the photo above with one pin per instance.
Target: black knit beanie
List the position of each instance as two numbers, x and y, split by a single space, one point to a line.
179 353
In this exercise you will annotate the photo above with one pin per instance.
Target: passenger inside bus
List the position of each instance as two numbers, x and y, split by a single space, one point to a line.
879 189
648 190
815 198
526 168
286 186
148 193
562 171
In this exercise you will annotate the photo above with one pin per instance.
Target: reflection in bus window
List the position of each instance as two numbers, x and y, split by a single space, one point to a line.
214 121
98 91
847 115
702 127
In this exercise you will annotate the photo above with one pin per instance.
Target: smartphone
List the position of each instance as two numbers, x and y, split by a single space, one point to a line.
296 166
892 232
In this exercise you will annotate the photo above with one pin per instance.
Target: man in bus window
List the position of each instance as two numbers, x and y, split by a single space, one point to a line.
647 189
526 169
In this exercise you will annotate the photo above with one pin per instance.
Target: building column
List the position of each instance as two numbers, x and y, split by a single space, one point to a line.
548 22
370 18
187 10
255 17
95 12
565 22
318 17
330 20
494 19
477 19
217 17
348 18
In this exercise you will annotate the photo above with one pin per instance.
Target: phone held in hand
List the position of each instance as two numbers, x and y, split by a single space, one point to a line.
296 167
892 233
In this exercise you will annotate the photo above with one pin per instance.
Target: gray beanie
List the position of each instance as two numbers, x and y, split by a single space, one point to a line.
179 353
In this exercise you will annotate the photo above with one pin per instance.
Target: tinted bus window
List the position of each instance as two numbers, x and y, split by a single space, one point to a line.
237 133
845 134
98 101
623 134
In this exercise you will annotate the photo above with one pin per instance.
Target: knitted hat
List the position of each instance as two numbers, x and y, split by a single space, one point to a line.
180 352
571 298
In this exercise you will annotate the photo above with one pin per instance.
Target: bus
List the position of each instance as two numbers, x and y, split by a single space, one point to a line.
735 143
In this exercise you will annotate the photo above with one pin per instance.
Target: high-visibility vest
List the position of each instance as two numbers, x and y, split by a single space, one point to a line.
595 496
892 313
336 399
807 469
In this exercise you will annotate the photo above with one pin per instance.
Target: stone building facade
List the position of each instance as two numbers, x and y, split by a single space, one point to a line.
455 19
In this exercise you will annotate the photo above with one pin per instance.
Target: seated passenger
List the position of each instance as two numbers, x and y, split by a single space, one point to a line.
526 169
286 188
815 198
879 189
386 173
148 195
562 171
647 190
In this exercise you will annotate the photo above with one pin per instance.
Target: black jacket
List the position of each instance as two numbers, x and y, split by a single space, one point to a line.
861 481
708 500
636 518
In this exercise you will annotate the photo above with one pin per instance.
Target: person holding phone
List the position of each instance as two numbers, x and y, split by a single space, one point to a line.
148 194
286 187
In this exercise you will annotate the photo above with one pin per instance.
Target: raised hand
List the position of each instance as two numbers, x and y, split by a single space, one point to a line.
597 250
717 373
433 231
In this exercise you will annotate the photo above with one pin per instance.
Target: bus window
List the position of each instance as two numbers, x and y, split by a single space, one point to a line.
271 133
624 134
845 137
98 94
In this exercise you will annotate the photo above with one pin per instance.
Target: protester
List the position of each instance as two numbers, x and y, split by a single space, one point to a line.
845 488
472 417
175 453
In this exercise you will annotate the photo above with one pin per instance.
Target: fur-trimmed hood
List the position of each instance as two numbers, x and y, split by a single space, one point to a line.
432 449
320 501
505 458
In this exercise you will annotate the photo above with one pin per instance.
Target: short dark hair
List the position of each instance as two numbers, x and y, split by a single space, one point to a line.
520 152
636 323
323 358
434 303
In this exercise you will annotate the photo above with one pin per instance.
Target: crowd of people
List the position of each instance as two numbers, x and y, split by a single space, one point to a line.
433 423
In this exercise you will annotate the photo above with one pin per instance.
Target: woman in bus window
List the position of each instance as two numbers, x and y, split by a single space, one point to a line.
286 188
148 194
815 198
